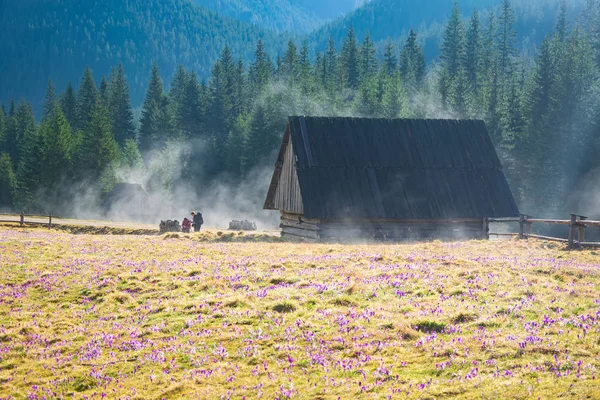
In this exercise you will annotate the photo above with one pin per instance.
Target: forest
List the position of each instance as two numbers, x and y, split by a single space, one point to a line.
541 109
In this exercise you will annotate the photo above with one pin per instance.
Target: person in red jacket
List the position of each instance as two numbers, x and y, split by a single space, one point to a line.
186 225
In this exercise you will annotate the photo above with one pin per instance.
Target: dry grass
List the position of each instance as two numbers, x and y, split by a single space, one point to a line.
228 315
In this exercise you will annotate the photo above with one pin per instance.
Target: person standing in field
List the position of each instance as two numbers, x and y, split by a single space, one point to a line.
198 221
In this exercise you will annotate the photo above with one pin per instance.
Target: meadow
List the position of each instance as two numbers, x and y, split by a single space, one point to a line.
239 317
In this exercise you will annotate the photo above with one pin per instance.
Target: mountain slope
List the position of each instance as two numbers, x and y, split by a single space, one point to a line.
394 18
330 9
276 15
57 38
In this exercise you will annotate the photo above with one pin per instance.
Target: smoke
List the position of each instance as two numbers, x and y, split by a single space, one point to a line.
171 192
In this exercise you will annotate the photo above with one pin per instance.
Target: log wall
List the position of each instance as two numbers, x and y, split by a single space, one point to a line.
297 227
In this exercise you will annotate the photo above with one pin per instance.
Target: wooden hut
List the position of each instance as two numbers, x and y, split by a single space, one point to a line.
359 178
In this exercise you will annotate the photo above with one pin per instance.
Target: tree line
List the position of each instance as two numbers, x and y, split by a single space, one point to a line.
542 110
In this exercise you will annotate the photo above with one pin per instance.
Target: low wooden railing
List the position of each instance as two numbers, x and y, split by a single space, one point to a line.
577 226
22 219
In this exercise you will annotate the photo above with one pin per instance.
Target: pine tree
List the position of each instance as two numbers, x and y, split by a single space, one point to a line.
24 125
57 148
506 39
29 169
119 107
561 23
474 52
306 80
178 86
2 128
460 95
453 46
155 123
131 158
290 64
390 61
11 139
68 105
412 62
103 91
452 57
86 99
393 100
8 182
191 113
368 58
331 63
350 60
50 101
261 70
99 151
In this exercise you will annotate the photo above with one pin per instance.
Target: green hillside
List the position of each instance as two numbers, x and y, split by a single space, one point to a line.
275 15
394 18
57 39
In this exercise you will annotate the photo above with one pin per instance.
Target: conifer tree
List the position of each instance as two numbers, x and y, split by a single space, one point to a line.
178 86
24 125
390 61
453 46
452 56
155 123
86 99
191 114
474 52
29 168
261 69
103 92
50 100
11 137
412 62
290 64
331 63
68 105
119 107
2 128
506 39
393 100
350 60
8 182
305 69
57 148
368 58
99 151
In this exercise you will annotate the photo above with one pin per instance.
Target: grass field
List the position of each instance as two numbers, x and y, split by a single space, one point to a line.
227 316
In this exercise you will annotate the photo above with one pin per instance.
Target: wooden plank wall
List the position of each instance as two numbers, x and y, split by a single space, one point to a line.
288 197
404 230
297 227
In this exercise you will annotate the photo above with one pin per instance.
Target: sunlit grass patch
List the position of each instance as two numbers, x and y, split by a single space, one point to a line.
204 315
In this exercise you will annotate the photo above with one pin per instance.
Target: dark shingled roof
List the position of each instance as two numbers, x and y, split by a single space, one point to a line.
398 169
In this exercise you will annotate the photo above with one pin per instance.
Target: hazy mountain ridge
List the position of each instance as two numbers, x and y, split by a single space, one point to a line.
57 39
276 15
394 18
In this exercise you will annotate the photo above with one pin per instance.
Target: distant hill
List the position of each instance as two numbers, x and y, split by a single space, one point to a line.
394 18
330 9
275 15
57 38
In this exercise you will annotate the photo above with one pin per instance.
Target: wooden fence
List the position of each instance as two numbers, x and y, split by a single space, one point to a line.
577 226
23 219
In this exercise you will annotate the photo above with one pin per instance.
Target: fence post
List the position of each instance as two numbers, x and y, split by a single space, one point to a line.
572 227
22 218
50 220
522 219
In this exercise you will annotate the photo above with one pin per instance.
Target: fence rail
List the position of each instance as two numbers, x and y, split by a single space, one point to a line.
577 226
22 220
